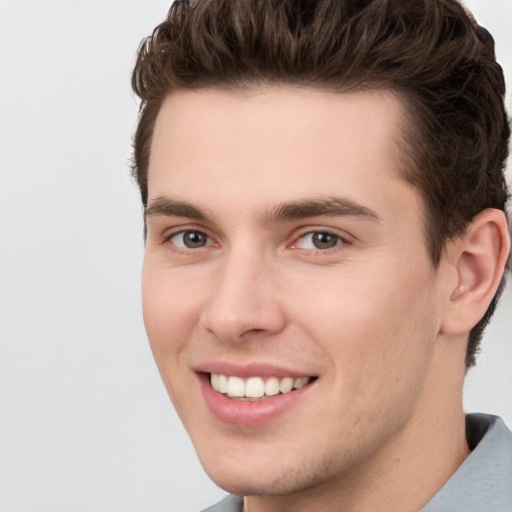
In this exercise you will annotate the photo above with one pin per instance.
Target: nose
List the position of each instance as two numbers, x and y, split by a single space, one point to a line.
244 302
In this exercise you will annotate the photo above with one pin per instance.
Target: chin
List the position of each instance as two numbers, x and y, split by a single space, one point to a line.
243 487
270 480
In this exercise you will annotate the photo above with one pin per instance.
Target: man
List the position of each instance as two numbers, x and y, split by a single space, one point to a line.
326 239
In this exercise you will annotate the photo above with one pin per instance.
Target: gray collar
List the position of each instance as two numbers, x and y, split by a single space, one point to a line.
484 480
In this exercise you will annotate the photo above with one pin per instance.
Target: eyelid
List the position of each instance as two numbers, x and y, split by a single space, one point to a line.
168 234
343 237
209 241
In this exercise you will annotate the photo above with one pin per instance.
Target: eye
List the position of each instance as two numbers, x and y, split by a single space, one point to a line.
190 239
318 240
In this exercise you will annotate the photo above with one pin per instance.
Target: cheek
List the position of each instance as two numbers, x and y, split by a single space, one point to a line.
170 312
170 309
372 326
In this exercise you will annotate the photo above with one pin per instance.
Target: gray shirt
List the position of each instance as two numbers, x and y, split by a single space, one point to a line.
482 483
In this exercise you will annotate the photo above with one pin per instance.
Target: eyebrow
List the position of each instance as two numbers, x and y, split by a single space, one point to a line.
283 212
168 207
321 207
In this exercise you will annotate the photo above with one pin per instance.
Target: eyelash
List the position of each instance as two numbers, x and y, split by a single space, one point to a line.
182 232
340 241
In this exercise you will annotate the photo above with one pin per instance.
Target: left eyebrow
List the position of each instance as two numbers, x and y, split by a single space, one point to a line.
322 207
168 207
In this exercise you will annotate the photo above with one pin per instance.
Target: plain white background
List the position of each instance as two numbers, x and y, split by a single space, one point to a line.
85 423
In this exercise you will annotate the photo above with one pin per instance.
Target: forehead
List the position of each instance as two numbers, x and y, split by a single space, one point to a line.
275 144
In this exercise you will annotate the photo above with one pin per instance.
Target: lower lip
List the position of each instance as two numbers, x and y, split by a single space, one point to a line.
249 414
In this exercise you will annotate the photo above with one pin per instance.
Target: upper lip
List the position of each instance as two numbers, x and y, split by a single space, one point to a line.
254 369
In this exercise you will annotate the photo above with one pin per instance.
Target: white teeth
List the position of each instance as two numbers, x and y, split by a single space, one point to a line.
215 381
286 385
272 386
300 383
255 387
236 387
223 384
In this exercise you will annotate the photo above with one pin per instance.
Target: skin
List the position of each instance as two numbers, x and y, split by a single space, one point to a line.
382 426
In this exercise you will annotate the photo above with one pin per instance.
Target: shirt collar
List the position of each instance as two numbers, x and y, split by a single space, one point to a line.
484 480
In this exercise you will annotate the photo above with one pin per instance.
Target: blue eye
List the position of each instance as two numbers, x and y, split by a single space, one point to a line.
318 240
190 239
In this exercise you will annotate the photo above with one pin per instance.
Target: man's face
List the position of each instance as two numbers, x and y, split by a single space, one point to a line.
285 249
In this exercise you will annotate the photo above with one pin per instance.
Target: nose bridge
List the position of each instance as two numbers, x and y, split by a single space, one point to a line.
243 299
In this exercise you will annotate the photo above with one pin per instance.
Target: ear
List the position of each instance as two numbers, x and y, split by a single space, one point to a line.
479 257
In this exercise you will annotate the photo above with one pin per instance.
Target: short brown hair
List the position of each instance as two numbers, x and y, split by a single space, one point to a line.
431 52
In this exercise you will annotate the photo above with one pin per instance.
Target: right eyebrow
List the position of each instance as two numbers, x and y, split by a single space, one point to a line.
167 207
319 207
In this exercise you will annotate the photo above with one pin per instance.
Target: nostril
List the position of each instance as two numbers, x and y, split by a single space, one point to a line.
252 331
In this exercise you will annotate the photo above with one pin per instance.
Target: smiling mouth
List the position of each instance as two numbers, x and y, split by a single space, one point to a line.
256 388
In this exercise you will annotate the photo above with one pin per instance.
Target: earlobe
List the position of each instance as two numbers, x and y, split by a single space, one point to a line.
480 257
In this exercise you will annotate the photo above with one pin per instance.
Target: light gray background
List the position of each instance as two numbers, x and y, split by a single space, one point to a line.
85 424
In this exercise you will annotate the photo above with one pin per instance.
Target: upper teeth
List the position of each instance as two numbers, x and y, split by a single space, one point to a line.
255 387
